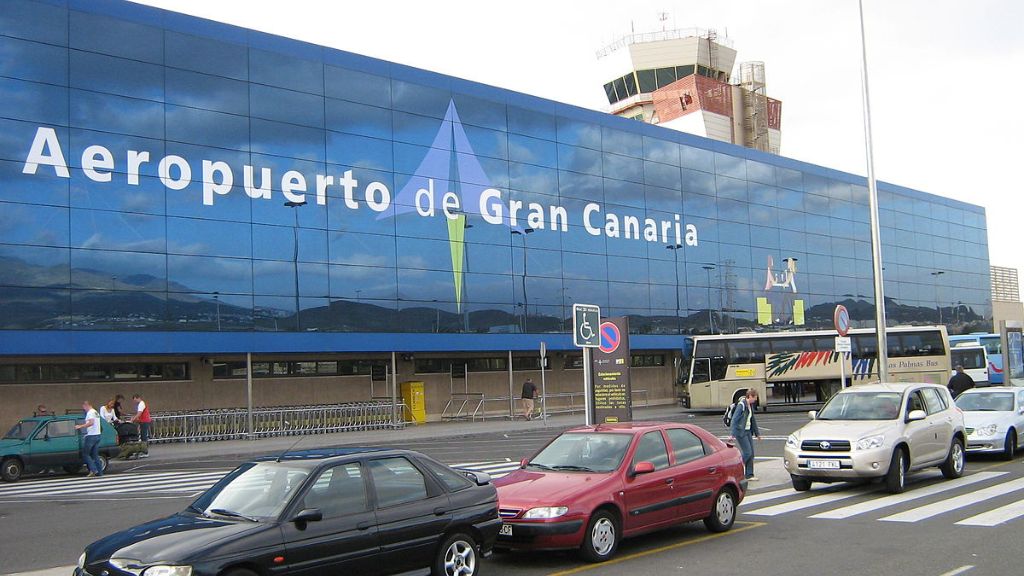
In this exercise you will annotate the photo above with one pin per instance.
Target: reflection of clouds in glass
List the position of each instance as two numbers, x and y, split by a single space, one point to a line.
104 240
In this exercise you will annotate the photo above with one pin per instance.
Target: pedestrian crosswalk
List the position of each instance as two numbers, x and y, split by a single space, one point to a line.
168 483
947 499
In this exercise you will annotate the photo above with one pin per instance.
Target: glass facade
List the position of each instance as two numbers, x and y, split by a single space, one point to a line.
164 173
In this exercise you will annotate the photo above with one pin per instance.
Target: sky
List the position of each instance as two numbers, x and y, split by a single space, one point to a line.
946 77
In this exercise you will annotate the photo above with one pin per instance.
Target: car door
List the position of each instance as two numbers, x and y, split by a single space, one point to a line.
919 433
650 498
413 513
1019 417
940 416
56 443
345 540
697 474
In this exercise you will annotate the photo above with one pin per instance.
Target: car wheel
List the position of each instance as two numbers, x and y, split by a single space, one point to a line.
602 537
457 556
723 515
953 467
11 469
1010 444
800 484
896 478
104 462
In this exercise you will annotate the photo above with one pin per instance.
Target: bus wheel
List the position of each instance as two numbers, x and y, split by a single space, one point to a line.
738 394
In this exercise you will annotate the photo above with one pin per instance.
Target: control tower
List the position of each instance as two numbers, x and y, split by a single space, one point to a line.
684 79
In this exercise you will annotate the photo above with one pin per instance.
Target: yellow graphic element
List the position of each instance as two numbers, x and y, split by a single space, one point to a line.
745 372
798 312
764 312
457 245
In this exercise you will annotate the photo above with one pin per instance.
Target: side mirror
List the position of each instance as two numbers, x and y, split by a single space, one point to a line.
916 415
308 515
524 462
813 414
643 468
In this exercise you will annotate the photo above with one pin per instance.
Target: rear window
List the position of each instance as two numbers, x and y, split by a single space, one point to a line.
970 358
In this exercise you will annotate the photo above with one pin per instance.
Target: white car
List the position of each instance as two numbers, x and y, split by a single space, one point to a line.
994 419
878 431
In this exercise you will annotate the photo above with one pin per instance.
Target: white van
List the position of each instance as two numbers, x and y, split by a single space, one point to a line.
973 358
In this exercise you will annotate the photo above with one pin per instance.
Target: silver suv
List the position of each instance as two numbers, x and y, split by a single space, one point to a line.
878 431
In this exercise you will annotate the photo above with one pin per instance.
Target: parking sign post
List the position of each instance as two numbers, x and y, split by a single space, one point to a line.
586 322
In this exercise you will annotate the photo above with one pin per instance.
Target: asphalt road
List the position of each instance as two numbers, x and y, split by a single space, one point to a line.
46 521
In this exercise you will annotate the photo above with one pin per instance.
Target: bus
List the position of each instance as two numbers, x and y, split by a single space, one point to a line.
993 347
973 358
803 367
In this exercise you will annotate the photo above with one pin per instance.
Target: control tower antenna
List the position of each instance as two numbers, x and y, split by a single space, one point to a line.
663 17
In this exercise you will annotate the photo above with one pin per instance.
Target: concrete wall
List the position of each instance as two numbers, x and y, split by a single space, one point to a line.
202 391
1006 311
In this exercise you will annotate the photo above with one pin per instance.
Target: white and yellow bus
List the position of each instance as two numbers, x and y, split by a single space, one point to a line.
803 367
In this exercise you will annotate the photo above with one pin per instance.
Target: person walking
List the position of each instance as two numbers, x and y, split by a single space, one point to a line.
743 430
959 382
529 393
143 419
91 441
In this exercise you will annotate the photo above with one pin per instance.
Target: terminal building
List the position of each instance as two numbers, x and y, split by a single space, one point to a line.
177 193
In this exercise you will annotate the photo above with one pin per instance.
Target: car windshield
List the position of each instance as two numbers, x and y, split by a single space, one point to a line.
583 452
862 406
252 491
986 402
21 430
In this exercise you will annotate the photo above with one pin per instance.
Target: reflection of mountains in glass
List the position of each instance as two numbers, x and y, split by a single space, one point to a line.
99 300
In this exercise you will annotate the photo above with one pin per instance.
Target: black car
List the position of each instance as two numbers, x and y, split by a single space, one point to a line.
346 511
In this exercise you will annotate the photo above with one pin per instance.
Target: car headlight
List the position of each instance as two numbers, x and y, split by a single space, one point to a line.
544 512
792 441
161 570
871 442
988 430
81 561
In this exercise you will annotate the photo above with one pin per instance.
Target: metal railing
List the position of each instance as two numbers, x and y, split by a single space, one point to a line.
464 406
557 403
230 423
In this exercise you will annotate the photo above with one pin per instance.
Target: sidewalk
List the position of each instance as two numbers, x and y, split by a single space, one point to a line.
440 431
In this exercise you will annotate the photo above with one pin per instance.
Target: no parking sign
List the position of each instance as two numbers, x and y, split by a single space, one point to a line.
611 401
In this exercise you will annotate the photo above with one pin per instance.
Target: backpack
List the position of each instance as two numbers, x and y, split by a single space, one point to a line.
727 416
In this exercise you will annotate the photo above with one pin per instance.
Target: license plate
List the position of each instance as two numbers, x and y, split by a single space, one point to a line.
823 464
506 530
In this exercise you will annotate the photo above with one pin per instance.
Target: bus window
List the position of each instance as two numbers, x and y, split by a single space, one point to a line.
993 345
865 346
790 345
969 358
710 362
747 351
821 344
928 343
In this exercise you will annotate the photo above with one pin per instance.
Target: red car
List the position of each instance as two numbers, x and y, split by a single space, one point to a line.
591 486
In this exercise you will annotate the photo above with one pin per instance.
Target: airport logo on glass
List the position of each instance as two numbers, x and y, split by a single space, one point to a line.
450 180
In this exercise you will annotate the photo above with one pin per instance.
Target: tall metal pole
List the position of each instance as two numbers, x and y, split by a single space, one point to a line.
248 395
295 255
711 317
876 240
588 386
675 255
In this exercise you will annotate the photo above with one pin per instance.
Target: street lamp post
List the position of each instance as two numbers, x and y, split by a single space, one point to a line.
711 319
216 298
295 254
938 305
675 256
526 300
876 235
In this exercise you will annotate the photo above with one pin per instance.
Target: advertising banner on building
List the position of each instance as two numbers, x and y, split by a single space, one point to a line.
612 393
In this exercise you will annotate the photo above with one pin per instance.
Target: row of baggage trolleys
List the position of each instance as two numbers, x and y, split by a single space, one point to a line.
232 423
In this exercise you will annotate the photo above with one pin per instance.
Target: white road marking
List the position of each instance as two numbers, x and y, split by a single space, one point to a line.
795 505
959 570
997 516
950 504
894 499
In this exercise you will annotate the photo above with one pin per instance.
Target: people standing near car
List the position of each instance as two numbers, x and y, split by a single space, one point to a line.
42 411
118 408
108 413
744 429
91 441
143 419
959 382
529 393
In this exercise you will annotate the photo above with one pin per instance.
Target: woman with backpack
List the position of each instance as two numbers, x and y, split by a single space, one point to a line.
743 429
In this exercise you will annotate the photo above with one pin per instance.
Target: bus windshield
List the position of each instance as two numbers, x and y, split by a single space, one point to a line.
862 406
969 358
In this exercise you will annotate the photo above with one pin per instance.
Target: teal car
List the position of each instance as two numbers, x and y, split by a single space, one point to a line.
43 442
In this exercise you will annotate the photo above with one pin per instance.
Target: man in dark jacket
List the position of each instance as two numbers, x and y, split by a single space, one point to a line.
959 382
744 429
